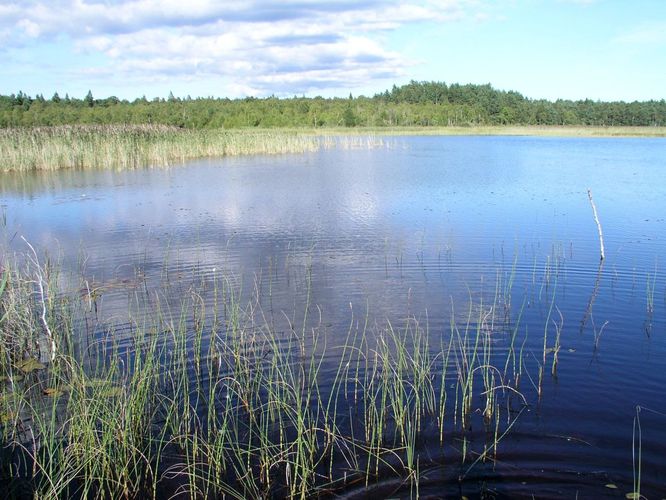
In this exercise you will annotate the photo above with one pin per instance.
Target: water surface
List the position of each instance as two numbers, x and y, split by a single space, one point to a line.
416 228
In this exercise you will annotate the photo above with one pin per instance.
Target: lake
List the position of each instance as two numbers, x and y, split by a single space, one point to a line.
422 229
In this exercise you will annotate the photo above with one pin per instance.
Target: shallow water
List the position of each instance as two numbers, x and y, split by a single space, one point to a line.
416 228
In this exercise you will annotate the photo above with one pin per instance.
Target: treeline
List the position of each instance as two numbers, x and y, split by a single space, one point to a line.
414 104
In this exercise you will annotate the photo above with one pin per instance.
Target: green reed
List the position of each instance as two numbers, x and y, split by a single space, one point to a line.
132 146
207 397
122 147
636 455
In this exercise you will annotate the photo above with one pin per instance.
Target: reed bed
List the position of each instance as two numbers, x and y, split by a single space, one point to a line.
206 398
133 146
123 147
128 147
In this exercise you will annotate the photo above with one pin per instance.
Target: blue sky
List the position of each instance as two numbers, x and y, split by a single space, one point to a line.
571 49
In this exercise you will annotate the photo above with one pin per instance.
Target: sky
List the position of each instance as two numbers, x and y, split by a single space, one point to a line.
569 49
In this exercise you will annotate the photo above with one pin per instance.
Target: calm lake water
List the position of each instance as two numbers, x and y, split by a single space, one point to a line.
415 228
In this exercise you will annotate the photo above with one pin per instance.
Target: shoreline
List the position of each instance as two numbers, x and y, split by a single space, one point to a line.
501 130
123 147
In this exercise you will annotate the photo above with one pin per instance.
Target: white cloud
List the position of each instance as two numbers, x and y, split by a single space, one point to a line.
264 46
29 27
653 33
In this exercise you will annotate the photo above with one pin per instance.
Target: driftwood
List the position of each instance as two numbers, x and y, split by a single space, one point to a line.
596 219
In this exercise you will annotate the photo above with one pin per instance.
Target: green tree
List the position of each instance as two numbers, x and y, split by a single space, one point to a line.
88 100
348 117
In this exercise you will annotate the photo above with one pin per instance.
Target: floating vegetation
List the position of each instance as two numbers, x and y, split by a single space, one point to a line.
53 392
29 365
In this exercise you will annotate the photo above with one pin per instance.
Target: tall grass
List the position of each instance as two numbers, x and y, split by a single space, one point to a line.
126 147
133 146
204 397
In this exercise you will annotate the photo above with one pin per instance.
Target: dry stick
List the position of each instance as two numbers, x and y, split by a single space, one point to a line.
42 297
596 219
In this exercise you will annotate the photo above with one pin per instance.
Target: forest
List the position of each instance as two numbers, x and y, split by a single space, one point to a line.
427 104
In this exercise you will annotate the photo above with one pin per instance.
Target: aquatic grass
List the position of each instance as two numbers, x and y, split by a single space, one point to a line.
122 147
597 334
29 312
556 348
205 394
636 455
637 449
132 146
129 146
549 272
511 357
3 285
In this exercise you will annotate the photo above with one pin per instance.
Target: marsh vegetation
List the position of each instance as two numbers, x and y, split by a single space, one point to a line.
195 392
121 147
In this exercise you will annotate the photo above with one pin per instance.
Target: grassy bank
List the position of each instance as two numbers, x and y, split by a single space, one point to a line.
203 397
127 147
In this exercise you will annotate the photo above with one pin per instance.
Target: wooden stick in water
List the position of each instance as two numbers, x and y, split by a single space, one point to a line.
596 219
